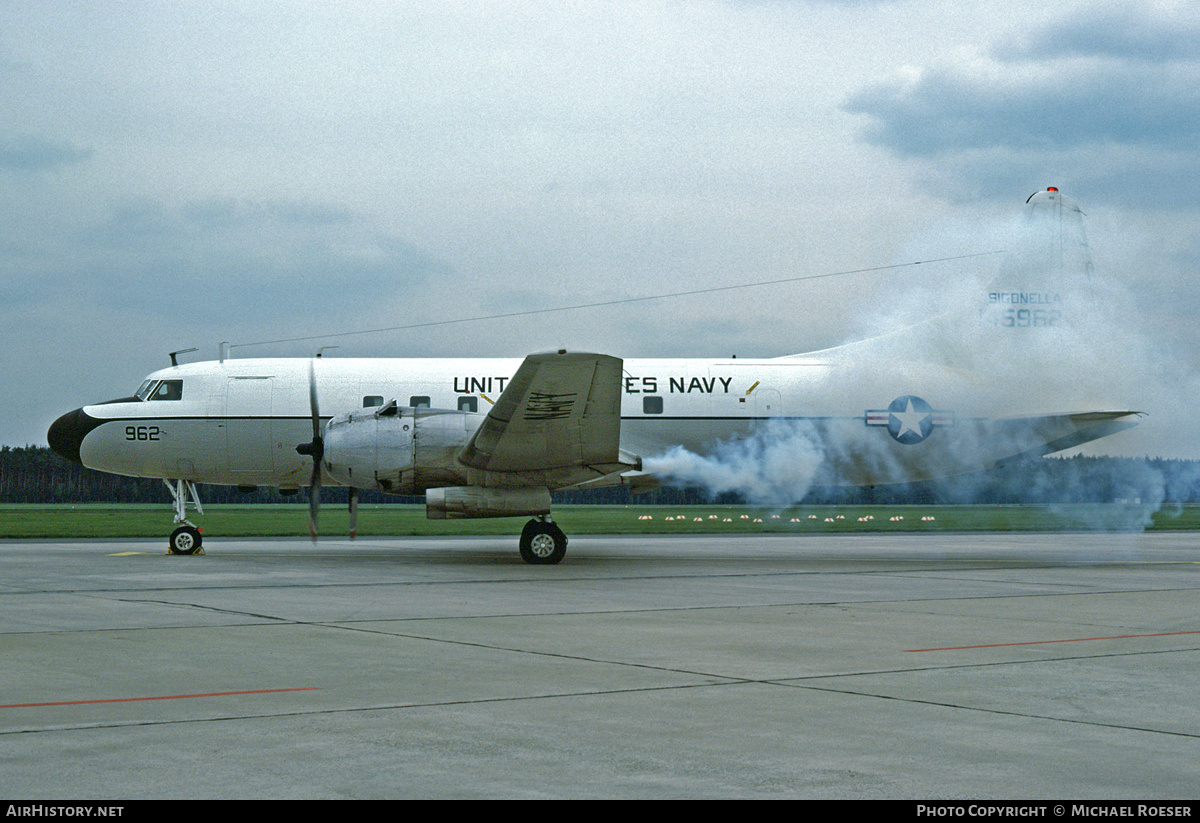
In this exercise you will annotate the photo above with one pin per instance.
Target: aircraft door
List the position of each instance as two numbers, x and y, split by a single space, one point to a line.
767 403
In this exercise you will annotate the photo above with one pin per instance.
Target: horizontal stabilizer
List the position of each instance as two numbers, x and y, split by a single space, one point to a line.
1057 432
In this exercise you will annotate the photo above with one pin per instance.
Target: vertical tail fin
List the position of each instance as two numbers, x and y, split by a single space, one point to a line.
1047 277
1059 220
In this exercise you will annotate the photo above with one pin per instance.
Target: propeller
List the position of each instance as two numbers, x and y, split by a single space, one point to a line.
316 449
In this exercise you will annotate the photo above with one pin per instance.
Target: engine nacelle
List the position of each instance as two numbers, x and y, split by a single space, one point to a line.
476 501
398 449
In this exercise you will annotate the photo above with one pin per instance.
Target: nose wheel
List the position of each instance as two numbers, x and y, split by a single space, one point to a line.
542 542
185 540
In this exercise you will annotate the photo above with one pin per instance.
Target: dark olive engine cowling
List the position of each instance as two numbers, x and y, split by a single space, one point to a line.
475 501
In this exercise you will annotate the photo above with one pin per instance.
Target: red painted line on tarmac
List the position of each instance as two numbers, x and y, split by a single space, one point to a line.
163 697
1039 642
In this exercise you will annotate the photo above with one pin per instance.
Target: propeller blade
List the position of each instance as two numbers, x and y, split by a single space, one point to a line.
353 512
315 449
312 400
314 500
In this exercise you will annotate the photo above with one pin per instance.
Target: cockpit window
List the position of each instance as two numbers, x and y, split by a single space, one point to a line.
160 390
169 390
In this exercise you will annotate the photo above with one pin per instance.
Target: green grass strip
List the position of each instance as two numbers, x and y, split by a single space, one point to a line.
118 521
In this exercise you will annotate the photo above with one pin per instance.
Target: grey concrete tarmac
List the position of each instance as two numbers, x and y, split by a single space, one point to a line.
869 666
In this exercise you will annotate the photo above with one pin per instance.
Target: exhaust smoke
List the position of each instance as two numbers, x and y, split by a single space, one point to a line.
1039 336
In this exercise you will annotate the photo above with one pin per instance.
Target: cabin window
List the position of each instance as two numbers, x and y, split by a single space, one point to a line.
372 400
652 404
468 404
419 401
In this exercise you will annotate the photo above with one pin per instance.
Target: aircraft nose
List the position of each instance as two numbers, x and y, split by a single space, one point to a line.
67 432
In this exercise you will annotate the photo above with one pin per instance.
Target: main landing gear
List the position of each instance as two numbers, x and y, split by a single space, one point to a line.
542 542
186 538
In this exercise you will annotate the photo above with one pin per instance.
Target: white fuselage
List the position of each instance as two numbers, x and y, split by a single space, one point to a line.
238 422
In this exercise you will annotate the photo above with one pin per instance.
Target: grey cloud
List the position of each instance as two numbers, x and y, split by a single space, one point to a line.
1101 98
1131 31
226 261
230 213
31 154
949 111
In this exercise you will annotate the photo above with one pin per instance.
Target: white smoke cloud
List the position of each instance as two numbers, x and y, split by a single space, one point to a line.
1038 333
779 461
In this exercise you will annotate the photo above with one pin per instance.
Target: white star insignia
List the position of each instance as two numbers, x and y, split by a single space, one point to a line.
910 420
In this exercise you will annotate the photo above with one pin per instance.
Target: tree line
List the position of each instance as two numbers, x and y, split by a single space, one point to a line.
35 474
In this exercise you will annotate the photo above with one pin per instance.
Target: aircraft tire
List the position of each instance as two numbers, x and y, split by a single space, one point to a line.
542 544
184 540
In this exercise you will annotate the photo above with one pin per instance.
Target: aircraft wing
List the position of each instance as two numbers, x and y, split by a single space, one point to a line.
559 410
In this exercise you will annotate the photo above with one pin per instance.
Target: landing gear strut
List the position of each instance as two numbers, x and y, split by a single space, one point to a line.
542 542
186 539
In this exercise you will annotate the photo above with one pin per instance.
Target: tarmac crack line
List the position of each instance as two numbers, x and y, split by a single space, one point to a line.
363 709
1002 712
742 680
716 680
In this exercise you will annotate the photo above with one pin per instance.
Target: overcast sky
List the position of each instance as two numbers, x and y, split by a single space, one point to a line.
179 174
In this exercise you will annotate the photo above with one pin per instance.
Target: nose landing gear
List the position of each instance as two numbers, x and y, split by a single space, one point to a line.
186 539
